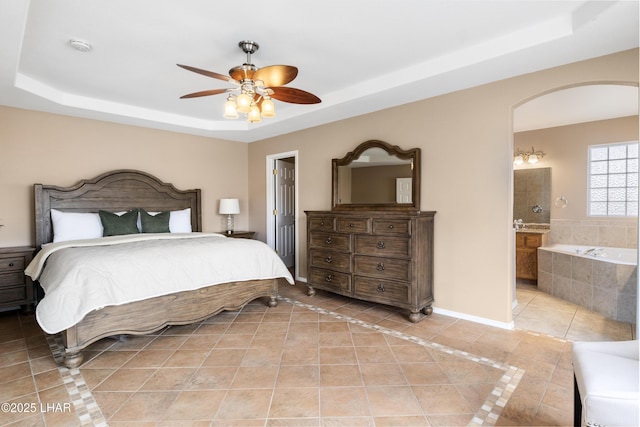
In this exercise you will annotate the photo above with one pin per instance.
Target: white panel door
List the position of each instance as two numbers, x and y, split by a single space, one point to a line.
285 211
403 190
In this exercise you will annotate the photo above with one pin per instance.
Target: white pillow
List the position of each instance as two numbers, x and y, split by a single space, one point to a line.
179 221
75 225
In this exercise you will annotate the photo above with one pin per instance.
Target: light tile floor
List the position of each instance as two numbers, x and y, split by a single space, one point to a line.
312 361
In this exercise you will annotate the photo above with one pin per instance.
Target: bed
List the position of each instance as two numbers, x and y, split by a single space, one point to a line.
122 191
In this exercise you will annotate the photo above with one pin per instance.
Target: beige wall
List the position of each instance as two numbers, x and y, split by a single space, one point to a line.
45 148
566 153
467 175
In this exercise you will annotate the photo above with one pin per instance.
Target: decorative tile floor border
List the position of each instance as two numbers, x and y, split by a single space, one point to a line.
90 415
488 414
83 401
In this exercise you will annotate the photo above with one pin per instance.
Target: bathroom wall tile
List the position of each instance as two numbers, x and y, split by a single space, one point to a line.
585 235
544 261
605 275
627 279
561 287
612 236
581 294
604 302
560 232
562 265
545 281
582 269
626 309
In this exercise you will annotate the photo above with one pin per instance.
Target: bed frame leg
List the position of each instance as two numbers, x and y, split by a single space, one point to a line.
73 359
273 302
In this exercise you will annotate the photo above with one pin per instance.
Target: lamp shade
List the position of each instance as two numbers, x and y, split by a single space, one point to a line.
229 206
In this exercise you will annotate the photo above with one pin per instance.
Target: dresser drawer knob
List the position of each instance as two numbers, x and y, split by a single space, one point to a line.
390 226
380 266
11 264
328 240
328 278
322 223
329 259
351 225
380 245
380 288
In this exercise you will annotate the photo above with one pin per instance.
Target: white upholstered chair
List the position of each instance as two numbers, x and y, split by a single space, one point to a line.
606 383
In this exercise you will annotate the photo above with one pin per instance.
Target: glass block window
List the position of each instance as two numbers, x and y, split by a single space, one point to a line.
613 179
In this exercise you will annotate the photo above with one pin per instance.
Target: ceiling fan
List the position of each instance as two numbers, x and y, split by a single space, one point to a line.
255 87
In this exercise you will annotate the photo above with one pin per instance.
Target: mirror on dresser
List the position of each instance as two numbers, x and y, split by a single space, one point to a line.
377 175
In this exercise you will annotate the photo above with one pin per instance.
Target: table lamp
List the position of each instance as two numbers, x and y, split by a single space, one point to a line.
229 207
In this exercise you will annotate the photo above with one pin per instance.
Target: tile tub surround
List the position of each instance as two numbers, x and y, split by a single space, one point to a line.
611 232
604 287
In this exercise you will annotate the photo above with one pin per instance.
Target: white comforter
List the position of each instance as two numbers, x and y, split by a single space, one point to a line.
84 275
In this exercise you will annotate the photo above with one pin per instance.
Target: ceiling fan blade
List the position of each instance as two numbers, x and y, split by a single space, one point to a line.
294 96
207 73
205 93
276 75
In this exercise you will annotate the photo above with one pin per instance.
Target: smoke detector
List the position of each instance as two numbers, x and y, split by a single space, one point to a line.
80 45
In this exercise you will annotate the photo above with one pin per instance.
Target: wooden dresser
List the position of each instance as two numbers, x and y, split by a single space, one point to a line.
379 256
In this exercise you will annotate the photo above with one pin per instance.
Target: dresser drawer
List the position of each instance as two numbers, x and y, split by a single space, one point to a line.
330 280
398 227
384 268
332 260
14 263
338 242
12 279
383 246
353 225
395 292
10 295
325 223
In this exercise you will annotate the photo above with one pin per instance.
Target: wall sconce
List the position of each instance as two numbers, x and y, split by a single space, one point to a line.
229 207
532 157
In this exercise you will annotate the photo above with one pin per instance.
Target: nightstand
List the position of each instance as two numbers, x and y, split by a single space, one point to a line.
16 288
241 234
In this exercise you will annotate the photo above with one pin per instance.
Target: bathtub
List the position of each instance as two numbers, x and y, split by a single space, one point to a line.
603 280
624 256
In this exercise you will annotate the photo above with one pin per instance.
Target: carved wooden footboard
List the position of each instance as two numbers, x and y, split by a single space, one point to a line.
144 317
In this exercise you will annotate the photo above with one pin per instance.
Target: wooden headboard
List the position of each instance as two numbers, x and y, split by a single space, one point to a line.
113 191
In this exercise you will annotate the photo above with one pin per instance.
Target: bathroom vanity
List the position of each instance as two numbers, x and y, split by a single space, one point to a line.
527 243
379 248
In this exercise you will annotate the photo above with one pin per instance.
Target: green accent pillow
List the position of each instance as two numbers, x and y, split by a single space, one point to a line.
115 225
158 223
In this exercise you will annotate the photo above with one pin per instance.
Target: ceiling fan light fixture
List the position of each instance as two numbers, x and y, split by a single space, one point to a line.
268 108
230 108
254 114
243 103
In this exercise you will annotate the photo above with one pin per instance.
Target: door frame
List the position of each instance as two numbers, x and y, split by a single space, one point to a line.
271 194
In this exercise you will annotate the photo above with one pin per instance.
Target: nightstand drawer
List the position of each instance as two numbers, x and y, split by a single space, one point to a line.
12 279
10 264
10 295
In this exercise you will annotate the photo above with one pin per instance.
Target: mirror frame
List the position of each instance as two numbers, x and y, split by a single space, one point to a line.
393 150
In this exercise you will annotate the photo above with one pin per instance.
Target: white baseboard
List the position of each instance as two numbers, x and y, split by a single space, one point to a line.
476 319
